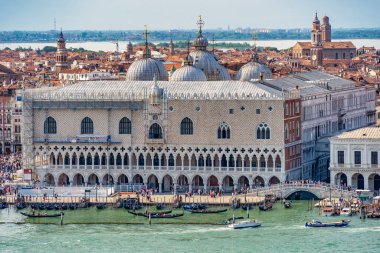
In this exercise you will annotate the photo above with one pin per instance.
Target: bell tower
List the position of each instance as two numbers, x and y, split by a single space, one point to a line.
316 50
326 30
61 55
171 47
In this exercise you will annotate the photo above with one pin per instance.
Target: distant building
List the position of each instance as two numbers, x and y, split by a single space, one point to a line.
85 75
355 159
321 47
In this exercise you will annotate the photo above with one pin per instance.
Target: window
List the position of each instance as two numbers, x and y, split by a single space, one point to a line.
344 56
186 126
270 108
286 131
298 129
286 109
141 160
257 111
374 158
231 111
358 157
224 131
50 126
125 126
297 109
87 126
155 131
171 160
340 157
336 56
263 132
242 108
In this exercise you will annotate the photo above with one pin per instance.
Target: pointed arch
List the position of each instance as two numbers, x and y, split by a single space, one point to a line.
224 131
155 131
186 126
50 125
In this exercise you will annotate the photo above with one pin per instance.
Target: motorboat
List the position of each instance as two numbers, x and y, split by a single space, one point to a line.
287 204
320 224
346 211
245 224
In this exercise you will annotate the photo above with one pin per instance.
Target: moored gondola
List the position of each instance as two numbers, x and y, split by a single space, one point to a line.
3 205
265 207
247 207
101 206
20 205
160 206
209 211
42 215
152 213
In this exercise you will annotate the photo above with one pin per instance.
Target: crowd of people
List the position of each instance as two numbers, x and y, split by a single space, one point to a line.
9 164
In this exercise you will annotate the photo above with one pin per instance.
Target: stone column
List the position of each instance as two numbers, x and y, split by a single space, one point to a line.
175 188
349 179
235 186
71 161
366 182
190 188
220 186
160 187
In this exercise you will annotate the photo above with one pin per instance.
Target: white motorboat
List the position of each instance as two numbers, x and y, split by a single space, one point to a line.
245 224
346 211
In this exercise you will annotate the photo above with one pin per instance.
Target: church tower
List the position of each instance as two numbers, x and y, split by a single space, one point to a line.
61 55
171 47
326 30
316 50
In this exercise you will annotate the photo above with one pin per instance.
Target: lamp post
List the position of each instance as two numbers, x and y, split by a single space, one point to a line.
341 188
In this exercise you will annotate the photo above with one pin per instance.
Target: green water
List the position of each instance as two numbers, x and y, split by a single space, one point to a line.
282 231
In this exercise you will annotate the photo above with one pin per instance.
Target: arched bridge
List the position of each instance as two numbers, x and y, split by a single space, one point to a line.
320 191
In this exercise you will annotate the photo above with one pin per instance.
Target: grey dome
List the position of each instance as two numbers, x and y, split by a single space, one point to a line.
253 70
206 62
146 69
188 73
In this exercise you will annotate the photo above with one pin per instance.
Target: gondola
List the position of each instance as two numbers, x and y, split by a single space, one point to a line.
194 206
101 206
73 206
160 206
209 211
21 205
3 205
159 215
153 213
320 224
41 215
373 215
265 207
57 206
64 206
246 207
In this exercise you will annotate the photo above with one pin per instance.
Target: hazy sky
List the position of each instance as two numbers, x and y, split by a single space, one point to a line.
172 14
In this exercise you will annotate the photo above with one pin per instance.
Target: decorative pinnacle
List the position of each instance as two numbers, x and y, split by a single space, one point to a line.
146 33
200 23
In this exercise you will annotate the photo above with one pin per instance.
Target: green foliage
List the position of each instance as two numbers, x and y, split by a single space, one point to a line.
48 49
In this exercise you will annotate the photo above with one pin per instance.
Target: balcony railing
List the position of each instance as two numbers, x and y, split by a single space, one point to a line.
157 168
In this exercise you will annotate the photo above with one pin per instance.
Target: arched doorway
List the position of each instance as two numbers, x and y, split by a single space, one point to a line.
259 181
78 180
358 181
182 184
107 180
228 184
122 179
243 183
167 183
212 183
197 183
374 183
49 180
63 180
341 179
274 180
93 180
152 182
137 179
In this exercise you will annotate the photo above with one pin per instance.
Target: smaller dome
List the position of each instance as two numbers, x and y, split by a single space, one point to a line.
253 70
200 43
146 69
325 20
188 73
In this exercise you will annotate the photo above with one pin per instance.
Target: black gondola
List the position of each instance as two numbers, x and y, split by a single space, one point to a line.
3 205
155 216
101 206
49 207
20 205
41 206
246 207
57 206
209 211
64 206
160 206
40 215
73 206
152 213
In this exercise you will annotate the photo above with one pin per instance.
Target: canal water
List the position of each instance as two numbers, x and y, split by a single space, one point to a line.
282 231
